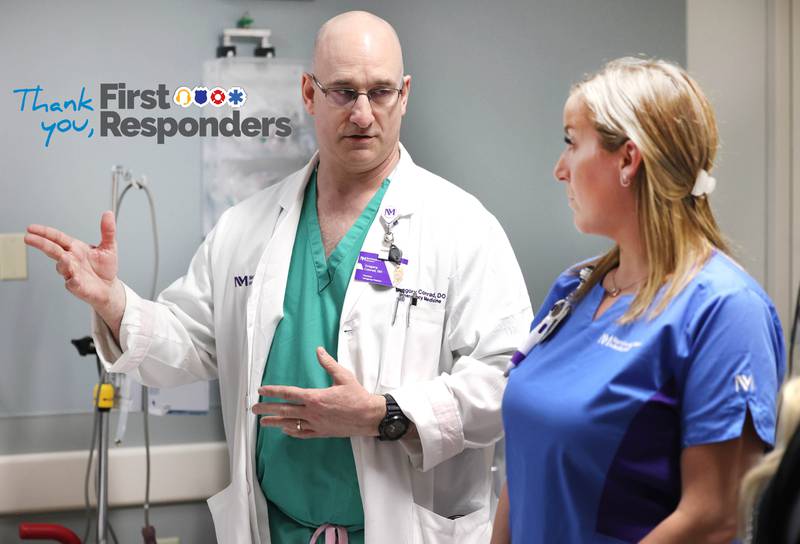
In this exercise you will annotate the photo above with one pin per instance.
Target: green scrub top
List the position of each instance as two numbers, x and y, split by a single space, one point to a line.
311 482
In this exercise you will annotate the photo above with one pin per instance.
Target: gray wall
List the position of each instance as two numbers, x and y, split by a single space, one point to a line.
738 90
746 66
489 81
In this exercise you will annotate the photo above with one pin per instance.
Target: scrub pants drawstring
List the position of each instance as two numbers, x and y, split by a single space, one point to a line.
333 534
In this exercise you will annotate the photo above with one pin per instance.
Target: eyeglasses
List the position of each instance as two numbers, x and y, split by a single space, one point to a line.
342 97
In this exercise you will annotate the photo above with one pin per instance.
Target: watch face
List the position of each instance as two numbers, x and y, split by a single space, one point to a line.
395 428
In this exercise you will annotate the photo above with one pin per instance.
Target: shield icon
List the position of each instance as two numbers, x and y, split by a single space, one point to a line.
200 96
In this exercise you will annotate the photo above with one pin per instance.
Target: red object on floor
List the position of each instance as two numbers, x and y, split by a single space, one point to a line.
47 531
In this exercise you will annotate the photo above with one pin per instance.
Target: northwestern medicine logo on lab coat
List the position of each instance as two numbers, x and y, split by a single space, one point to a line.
72 116
243 281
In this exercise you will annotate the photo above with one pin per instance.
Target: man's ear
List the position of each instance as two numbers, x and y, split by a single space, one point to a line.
406 92
307 89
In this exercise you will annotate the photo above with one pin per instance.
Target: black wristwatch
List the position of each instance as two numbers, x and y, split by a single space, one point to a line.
394 424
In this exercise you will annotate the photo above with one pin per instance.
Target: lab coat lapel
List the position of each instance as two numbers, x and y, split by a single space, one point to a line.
265 310
400 196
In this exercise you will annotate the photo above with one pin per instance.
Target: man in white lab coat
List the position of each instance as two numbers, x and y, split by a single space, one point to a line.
409 287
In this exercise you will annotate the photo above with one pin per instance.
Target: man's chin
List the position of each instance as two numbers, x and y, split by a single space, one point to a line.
361 155
361 158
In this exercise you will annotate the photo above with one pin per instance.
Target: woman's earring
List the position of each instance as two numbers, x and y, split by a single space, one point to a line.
624 181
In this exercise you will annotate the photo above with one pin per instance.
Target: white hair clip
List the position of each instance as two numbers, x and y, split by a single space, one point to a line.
703 184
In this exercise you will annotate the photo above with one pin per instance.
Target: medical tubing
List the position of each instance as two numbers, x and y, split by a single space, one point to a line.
151 202
145 396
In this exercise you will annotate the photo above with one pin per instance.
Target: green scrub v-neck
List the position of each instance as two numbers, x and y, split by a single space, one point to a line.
311 482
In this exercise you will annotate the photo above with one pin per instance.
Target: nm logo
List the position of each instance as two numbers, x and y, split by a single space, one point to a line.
744 382
243 281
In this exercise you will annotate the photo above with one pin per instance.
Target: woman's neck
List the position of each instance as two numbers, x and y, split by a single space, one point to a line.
633 264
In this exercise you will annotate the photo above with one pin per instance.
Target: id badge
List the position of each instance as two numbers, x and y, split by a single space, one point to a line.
371 269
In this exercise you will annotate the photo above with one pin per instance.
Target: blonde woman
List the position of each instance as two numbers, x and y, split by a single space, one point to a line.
763 511
636 417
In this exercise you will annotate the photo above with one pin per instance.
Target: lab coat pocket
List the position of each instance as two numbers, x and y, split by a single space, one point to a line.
431 528
413 347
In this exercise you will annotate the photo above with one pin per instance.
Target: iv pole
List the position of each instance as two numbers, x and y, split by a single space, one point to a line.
104 398
104 401
102 439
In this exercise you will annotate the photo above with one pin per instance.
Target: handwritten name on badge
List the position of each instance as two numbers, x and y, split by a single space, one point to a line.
30 99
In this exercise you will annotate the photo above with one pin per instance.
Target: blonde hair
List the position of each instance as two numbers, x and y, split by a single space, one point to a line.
757 478
661 109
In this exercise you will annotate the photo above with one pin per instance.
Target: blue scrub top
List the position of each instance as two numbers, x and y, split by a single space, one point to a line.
596 416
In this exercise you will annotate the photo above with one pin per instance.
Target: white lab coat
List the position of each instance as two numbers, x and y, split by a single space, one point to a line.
444 368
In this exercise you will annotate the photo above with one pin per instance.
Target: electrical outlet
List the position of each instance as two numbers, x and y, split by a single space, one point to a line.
168 540
13 258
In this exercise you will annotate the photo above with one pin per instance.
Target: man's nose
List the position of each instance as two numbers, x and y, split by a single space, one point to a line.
361 114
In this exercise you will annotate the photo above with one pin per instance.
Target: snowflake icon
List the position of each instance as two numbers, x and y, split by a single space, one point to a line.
236 97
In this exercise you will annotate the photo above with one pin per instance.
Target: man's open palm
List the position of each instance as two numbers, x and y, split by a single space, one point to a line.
89 271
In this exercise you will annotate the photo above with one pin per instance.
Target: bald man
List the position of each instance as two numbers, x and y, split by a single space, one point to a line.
361 370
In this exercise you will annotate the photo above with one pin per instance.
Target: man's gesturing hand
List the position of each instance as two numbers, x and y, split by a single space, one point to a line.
342 410
90 272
